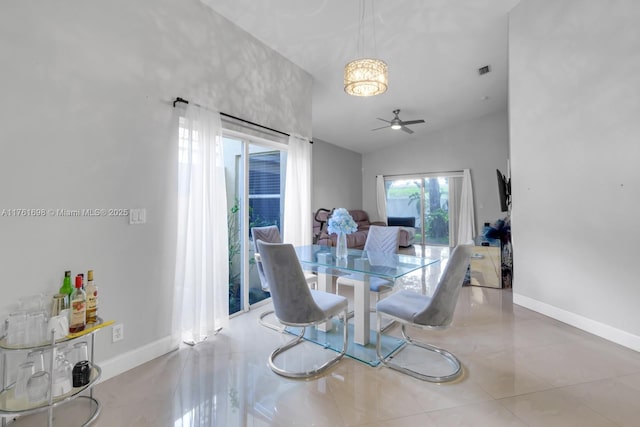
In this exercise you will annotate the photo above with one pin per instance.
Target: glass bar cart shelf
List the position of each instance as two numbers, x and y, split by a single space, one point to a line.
10 407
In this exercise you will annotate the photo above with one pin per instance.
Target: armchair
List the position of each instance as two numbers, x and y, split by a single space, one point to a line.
297 305
380 240
271 234
427 312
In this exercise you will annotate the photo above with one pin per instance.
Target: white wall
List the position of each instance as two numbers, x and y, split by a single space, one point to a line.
574 109
86 122
337 177
480 145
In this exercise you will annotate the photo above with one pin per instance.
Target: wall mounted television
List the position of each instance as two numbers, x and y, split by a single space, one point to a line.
504 191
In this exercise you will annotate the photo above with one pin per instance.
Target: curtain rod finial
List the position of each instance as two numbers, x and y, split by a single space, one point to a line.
178 99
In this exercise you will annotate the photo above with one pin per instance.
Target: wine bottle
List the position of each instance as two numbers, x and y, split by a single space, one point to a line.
78 308
66 289
92 299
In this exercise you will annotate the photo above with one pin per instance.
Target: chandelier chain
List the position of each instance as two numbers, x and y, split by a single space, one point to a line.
361 46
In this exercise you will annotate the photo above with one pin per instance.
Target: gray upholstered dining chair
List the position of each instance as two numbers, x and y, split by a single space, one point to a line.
380 239
271 234
296 305
428 312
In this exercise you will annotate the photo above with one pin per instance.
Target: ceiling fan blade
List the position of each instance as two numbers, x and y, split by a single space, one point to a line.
406 129
386 121
383 127
412 122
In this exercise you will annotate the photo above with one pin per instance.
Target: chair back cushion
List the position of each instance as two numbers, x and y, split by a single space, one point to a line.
382 239
269 234
292 300
439 312
266 234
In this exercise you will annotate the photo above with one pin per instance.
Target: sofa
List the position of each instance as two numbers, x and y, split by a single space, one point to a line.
357 239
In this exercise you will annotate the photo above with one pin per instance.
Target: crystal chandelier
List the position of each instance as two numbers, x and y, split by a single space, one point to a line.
365 76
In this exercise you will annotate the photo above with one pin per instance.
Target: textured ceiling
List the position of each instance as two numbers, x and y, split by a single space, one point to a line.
433 48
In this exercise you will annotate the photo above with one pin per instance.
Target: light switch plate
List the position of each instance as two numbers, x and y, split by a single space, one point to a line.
137 216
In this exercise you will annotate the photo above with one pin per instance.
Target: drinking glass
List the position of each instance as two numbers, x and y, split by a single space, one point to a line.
60 349
59 325
38 387
36 328
25 370
37 357
58 304
17 328
62 375
80 352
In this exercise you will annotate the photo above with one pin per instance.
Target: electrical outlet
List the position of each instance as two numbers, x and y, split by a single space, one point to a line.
117 332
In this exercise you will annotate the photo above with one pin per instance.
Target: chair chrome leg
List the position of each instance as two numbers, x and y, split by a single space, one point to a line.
267 324
388 326
386 361
313 372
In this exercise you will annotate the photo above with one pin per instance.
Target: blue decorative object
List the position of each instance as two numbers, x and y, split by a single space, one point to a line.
341 222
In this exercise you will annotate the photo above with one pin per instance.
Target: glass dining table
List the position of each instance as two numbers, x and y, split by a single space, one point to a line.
360 264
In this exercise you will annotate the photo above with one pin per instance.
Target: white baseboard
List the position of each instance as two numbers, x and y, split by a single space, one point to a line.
129 360
607 332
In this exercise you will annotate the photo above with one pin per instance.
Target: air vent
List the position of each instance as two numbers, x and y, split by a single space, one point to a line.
484 70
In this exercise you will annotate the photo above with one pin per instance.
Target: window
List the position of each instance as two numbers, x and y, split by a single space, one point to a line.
426 198
265 186
255 170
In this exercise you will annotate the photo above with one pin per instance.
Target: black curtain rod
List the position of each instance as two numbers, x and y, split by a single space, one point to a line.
178 99
253 124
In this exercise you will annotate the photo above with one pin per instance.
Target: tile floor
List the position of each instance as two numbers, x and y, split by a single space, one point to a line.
521 369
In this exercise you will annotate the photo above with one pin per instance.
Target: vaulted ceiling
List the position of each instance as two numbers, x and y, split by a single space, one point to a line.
433 49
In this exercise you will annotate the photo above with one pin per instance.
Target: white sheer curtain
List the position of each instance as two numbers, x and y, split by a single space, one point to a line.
381 198
297 197
467 221
455 188
201 301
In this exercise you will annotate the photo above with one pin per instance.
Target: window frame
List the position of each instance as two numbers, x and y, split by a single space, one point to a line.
422 177
242 182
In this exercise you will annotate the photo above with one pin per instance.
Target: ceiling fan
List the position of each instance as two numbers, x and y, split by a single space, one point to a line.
396 123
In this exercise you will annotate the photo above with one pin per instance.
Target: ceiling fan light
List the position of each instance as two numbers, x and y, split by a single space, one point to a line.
365 77
396 126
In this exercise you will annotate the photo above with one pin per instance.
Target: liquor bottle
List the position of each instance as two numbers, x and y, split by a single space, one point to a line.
66 289
78 308
92 299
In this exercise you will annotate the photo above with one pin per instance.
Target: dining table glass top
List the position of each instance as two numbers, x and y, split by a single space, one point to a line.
387 265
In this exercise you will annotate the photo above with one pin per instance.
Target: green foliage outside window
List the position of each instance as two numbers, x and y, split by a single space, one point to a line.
438 226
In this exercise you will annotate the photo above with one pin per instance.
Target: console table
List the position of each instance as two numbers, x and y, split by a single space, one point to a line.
486 263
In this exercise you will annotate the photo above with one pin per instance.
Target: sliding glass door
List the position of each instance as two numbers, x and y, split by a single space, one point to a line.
255 172
426 198
435 217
